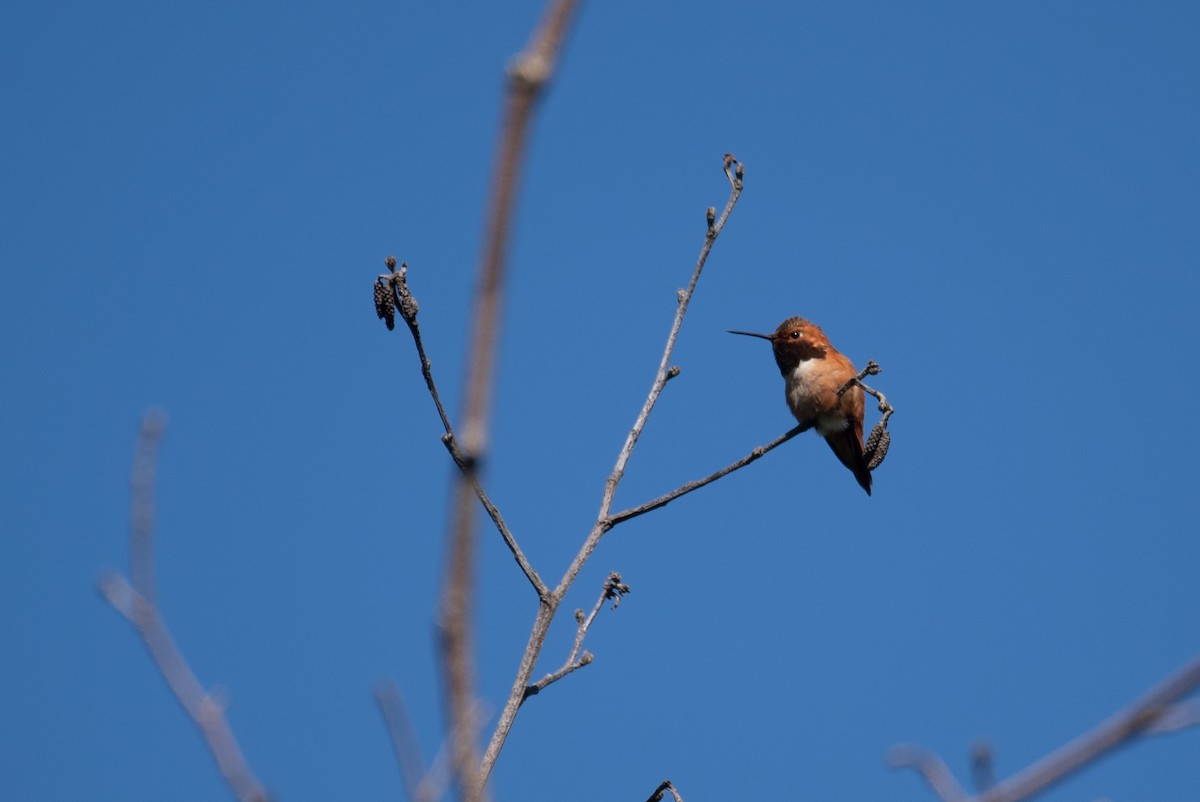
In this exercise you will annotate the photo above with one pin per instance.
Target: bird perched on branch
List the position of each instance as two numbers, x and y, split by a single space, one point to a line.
813 372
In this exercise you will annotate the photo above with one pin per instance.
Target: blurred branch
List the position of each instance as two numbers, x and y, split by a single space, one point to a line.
1176 717
1157 711
932 769
528 76
613 589
137 603
983 765
417 781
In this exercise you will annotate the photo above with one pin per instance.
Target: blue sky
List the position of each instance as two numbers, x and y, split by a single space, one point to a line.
998 203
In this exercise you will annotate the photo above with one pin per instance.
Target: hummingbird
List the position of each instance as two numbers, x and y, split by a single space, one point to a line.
813 371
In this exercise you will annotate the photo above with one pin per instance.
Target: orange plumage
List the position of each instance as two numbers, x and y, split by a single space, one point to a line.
813 372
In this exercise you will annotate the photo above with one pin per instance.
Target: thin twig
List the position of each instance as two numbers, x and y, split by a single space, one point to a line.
664 786
395 284
1155 711
871 369
667 498
528 76
493 512
136 603
613 589
734 172
876 446
549 604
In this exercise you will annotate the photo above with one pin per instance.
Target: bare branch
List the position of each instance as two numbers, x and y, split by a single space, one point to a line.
734 172
1173 718
141 513
1156 711
614 589
528 76
667 498
550 603
396 284
454 628
872 369
931 768
1136 719
983 768
494 513
663 787
137 604
397 280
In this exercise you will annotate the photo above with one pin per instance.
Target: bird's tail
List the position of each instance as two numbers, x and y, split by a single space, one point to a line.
847 445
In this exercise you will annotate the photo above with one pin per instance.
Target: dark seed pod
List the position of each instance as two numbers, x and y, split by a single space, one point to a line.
877 444
385 302
873 440
408 304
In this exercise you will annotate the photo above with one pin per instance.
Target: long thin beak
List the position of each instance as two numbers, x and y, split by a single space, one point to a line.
750 334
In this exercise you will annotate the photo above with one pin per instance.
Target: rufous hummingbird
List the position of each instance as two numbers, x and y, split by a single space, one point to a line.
813 372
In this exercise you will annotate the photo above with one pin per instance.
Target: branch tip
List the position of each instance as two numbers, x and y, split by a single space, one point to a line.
614 589
391 292
664 787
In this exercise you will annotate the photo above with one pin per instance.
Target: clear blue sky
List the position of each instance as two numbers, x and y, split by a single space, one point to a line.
999 203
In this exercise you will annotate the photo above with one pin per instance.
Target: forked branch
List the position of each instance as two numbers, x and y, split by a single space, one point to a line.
663 788
735 173
1158 710
137 603
682 490
550 603
614 589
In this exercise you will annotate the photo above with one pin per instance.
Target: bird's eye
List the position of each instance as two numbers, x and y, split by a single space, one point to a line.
796 334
